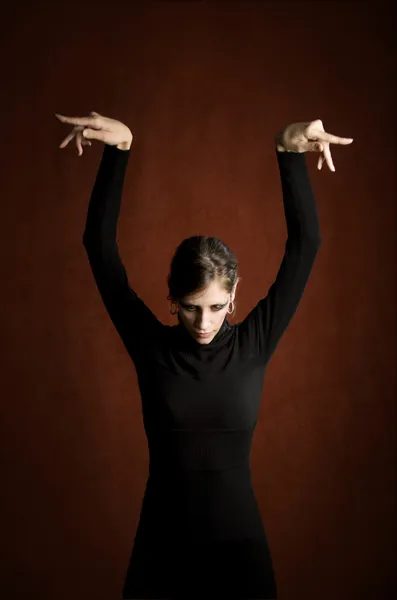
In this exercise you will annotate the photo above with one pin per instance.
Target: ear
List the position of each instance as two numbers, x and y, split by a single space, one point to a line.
234 288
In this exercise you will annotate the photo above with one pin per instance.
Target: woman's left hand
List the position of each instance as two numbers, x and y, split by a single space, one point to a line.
309 137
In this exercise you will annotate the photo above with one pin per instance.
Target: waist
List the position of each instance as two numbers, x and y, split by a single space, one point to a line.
208 450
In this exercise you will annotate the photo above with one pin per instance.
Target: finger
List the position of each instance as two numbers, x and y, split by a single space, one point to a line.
320 162
71 136
332 139
315 147
91 121
328 157
67 140
93 134
78 142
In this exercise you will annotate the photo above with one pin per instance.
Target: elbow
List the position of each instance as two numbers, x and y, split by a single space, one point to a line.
88 241
88 245
317 241
313 238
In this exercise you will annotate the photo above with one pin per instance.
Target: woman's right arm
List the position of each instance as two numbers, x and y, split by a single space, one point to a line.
134 321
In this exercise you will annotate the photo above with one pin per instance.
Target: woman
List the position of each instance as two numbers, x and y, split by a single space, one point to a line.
200 533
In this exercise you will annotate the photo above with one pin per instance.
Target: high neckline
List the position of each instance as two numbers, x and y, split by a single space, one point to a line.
216 342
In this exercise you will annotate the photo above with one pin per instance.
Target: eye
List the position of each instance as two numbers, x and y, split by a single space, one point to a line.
191 308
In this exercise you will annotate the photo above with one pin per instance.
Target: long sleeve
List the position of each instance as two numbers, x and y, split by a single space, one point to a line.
266 323
133 320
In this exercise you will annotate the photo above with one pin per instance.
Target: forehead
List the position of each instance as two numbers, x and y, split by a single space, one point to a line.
213 294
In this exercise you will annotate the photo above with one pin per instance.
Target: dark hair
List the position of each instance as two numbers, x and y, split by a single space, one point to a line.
198 261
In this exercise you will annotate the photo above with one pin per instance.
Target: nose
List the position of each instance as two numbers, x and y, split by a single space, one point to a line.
202 324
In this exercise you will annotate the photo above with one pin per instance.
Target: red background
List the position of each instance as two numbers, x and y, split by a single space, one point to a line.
204 86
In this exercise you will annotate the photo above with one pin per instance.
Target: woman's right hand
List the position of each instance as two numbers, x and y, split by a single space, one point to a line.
97 127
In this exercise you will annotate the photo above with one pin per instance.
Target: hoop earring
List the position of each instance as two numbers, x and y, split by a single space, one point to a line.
229 312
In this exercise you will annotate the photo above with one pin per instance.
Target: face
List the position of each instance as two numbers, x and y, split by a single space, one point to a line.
205 312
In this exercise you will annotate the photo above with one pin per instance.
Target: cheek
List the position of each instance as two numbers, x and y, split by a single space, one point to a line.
222 314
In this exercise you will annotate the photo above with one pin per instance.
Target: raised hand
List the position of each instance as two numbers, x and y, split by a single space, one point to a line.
96 127
309 137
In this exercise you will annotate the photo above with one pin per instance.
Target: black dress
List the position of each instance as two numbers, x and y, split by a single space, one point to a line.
200 533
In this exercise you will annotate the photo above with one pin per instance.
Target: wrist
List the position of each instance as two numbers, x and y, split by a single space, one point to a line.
127 144
278 140
124 145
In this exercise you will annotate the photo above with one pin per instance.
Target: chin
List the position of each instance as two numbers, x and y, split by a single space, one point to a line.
205 340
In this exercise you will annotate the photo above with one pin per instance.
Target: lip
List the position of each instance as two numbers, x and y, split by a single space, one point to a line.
202 334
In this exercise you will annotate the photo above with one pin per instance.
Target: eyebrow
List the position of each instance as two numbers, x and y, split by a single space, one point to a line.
197 306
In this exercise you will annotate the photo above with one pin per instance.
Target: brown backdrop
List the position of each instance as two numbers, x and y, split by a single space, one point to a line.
204 86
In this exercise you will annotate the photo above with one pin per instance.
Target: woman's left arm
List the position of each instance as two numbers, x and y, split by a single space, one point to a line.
265 324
